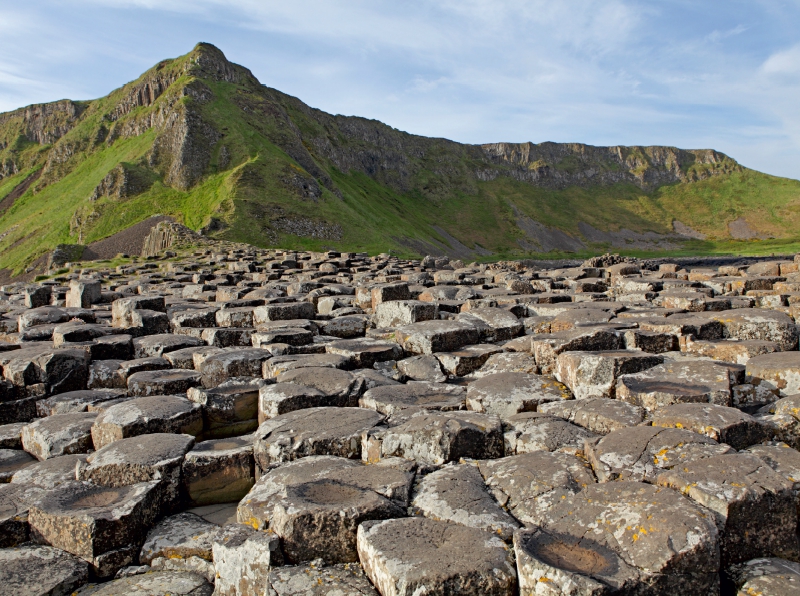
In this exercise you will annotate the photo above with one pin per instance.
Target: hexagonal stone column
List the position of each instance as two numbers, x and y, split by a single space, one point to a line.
102 525
144 415
427 337
594 374
313 431
181 542
230 409
174 583
405 556
341 387
317 580
535 431
176 381
76 401
458 494
676 382
596 414
60 434
529 485
723 424
242 362
243 559
41 570
641 453
621 537
780 371
507 394
413 396
156 456
440 437
756 506
219 471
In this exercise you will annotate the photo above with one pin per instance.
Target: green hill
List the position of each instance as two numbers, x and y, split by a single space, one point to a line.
200 139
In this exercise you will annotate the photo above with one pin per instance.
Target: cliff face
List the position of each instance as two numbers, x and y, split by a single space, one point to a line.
202 140
186 140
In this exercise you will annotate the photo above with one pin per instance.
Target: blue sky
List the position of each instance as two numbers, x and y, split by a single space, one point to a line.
723 74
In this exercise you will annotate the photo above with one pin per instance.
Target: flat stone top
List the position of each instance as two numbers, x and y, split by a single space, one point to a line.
153 449
172 374
434 396
78 400
778 456
152 406
361 344
700 414
435 327
597 414
222 447
425 421
647 527
787 406
425 549
751 315
773 361
174 583
319 423
345 579
58 422
180 536
516 384
642 452
12 460
718 481
279 364
49 473
330 381
392 477
32 570
91 501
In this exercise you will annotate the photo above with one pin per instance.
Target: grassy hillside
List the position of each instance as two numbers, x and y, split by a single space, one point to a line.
200 139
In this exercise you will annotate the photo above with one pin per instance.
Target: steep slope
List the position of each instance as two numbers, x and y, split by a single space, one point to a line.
201 140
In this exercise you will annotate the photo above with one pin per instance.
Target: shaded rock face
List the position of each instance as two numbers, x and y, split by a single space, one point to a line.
173 99
242 447
539 163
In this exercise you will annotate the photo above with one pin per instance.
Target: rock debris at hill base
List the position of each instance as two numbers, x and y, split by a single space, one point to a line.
242 421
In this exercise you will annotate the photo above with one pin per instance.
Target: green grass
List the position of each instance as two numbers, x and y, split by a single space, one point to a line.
44 217
252 186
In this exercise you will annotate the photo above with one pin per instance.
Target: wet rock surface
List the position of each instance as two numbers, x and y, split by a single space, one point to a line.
345 424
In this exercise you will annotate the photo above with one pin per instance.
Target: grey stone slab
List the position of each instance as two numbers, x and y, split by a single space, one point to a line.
534 431
641 453
404 556
529 485
60 434
755 505
621 537
313 431
507 394
457 493
35 570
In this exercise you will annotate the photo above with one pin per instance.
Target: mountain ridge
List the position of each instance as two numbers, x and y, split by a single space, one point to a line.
202 140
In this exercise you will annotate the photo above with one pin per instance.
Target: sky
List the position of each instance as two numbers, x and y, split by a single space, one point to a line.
721 74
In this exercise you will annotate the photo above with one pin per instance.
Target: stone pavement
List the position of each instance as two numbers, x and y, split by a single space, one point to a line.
247 421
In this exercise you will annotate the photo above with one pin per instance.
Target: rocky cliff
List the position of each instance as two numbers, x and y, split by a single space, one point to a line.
202 140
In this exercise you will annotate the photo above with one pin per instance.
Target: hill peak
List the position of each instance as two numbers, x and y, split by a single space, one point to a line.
199 139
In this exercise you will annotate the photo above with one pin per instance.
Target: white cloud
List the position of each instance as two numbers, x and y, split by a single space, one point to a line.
783 62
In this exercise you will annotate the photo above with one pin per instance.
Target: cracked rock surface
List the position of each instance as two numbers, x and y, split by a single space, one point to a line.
243 421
